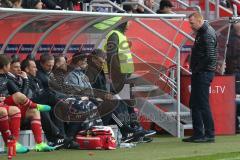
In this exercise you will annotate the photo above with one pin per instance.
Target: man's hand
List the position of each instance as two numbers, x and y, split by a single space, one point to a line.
108 96
23 74
99 99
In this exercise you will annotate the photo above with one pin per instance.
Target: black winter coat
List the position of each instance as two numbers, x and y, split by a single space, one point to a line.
204 54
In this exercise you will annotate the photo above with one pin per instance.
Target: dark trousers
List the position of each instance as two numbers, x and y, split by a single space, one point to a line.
123 116
52 126
202 120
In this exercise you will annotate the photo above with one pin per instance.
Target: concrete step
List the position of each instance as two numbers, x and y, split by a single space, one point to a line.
181 113
144 88
160 100
138 74
187 126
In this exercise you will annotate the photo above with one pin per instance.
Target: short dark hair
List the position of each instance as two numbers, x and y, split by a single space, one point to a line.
25 63
128 8
46 57
58 56
30 4
4 60
165 3
31 57
78 57
15 58
99 53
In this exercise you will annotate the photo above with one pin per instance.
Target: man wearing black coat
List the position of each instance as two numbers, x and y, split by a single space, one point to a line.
203 66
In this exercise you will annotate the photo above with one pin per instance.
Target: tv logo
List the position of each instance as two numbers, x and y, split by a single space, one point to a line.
212 89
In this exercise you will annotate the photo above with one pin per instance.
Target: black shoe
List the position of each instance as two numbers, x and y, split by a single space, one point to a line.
133 135
59 143
127 138
72 145
149 133
194 139
129 133
210 139
147 140
139 128
141 140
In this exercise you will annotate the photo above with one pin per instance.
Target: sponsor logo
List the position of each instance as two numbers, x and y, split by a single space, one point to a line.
216 89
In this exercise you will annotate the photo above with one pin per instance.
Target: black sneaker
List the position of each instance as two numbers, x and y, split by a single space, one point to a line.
59 143
133 135
128 137
142 140
210 139
129 133
146 140
72 145
194 139
149 133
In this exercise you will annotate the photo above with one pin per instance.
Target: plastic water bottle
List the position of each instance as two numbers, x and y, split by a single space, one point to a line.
127 145
118 137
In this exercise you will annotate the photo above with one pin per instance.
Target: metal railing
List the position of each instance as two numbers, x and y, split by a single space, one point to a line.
160 53
178 69
169 81
164 78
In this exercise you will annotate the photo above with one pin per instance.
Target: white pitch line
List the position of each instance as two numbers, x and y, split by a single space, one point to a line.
235 158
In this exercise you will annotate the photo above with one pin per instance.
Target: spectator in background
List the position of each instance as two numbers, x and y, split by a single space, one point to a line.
234 2
225 3
149 4
5 4
32 4
165 7
60 4
128 8
51 4
139 8
16 3
11 3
